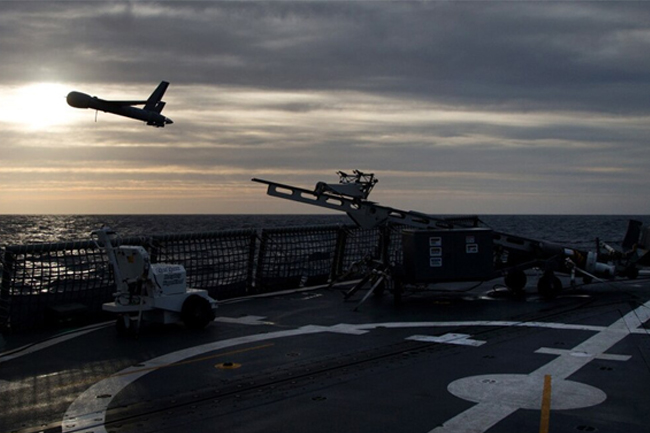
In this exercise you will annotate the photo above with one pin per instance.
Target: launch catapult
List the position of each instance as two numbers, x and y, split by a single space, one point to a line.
439 249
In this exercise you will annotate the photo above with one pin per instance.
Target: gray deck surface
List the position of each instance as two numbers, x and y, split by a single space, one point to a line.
443 361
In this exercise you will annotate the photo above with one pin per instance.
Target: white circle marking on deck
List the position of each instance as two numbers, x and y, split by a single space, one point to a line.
488 412
525 391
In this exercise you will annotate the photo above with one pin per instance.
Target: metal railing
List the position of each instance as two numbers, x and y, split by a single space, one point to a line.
39 278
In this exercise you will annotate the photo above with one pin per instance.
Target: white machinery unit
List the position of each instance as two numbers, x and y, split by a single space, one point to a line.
155 292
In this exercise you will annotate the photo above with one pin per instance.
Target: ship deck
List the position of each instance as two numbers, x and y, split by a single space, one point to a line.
454 358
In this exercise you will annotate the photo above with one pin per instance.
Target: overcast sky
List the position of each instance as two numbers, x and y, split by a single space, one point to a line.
457 107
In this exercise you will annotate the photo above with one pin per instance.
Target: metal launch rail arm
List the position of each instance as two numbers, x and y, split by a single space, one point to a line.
364 213
512 254
368 214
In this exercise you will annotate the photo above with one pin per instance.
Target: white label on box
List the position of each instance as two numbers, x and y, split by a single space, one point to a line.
470 240
435 252
435 262
471 248
435 241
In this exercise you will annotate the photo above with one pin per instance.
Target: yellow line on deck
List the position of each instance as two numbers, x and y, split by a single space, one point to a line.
190 361
546 405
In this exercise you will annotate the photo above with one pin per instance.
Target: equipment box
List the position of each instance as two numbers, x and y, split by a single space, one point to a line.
447 255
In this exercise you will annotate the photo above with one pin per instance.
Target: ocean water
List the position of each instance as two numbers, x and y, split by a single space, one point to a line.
578 231
31 229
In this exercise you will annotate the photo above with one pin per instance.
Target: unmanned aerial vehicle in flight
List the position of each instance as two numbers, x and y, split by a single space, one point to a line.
150 113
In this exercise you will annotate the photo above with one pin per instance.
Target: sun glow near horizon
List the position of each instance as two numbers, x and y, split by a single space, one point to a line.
36 106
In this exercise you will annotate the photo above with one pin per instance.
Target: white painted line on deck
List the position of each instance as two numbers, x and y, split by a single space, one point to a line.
342 328
459 339
603 356
499 324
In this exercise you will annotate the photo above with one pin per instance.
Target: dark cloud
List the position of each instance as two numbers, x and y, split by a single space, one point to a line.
532 56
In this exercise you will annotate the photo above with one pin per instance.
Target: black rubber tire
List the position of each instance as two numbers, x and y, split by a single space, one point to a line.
516 281
549 286
196 312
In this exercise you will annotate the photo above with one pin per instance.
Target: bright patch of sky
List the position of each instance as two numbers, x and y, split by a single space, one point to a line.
508 108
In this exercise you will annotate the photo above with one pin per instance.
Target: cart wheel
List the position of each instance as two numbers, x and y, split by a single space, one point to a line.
549 286
516 281
196 312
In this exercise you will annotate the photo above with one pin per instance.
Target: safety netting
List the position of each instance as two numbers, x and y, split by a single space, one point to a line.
295 257
45 282
220 262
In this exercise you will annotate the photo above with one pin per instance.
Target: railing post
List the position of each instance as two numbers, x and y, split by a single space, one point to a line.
339 253
384 243
153 245
5 292
250 276
261 255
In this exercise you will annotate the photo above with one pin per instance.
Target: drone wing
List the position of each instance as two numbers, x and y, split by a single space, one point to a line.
121 103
